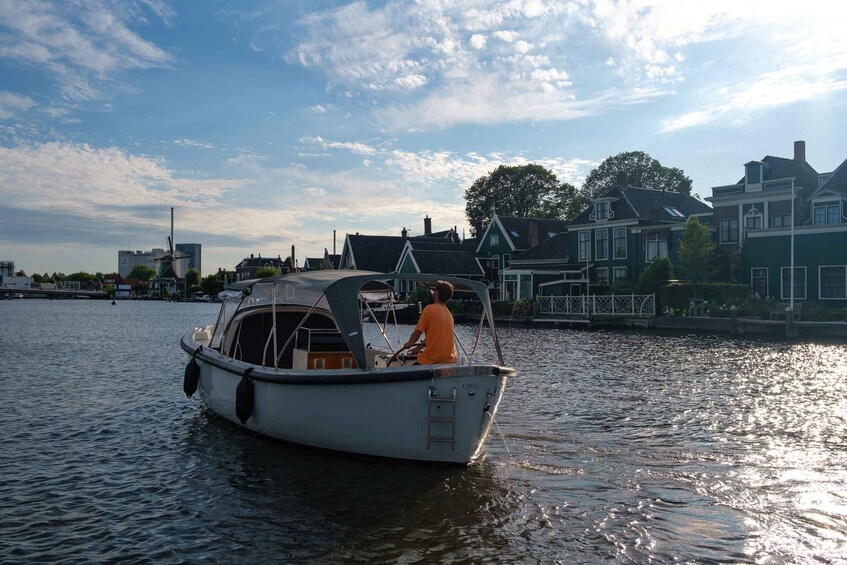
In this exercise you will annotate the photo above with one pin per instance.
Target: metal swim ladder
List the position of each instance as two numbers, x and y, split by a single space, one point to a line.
441 414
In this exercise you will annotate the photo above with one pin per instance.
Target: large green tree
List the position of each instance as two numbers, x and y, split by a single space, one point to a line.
697 253
212 285
192 277
635 169
142 273
528 191
267 271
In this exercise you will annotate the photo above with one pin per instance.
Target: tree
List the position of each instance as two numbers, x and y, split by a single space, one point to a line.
637 169
528 191
20 273
212 285
192 277
266 271
654 276
697 253
142 273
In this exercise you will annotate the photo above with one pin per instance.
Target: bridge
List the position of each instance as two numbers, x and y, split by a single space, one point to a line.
7 292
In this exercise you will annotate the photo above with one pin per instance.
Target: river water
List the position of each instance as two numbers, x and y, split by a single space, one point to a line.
631 447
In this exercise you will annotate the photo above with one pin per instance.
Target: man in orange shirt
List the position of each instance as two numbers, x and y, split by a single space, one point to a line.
436 324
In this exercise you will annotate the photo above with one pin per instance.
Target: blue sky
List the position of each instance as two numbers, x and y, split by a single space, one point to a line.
272 123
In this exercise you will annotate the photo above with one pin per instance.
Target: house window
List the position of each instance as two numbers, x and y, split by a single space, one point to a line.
657 246
601 238
753 222
602 212
495 263
729 231
526 287
619 274
754 173
759 280
674 212
799 283
620 243
506 259
781 221
833 282
602 276
510 287
494 239
827 214
585 245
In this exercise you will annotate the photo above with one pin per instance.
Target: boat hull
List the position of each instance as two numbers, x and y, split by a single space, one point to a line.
438 413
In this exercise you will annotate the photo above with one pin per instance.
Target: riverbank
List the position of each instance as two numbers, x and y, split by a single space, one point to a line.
749 327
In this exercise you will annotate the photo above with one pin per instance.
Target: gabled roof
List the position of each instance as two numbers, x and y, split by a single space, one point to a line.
518 229
555 248
836 183
377 253
444 262
780 168
637 203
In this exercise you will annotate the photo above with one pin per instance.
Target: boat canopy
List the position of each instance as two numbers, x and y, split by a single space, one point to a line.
340 291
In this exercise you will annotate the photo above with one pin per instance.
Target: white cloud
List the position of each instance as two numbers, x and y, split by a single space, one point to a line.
12 104
79 44
193 143
359 148
411 81
319 109
507 36
478 41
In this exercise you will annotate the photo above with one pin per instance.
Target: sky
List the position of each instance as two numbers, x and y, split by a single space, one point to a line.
273 123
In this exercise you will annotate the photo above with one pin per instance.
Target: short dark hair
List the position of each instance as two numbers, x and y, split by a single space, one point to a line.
444 290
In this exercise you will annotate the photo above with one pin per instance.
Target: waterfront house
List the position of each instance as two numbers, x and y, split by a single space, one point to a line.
753 219
438 257
621 232
507 236
247 267
544 269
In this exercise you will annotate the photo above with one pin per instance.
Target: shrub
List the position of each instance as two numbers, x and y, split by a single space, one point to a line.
502 308
522 309
722 295
622 287
654 276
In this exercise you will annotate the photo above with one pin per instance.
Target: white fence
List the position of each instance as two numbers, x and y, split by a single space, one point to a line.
627 305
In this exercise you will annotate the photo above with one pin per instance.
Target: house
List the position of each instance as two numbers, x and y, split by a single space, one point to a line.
506 236
815 242
247 267
381 253
328 261
621 232
545 269
423 255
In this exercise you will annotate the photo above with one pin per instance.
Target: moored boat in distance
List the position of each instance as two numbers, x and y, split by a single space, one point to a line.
287 358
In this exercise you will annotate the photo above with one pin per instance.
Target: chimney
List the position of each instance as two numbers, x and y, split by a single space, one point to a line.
404 233
800 151
533 233
333 242
427 225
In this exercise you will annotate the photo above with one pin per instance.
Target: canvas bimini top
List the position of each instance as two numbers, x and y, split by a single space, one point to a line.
340 292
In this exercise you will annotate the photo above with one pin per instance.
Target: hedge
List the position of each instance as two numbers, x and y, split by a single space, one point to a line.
678 295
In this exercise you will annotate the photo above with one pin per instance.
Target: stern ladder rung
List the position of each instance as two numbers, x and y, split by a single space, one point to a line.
435 416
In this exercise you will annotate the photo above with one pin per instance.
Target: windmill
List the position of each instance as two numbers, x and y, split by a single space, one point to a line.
166 275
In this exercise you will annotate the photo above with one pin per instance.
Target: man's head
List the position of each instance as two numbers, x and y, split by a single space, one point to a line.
443 291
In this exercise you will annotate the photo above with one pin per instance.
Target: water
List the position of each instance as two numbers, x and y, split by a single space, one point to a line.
632 447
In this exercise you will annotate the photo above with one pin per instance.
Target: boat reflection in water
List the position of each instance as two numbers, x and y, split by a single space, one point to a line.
287 359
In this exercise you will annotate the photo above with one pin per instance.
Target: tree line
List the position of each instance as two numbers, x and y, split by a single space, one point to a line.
532 191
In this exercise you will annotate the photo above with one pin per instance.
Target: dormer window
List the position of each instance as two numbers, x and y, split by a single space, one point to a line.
754 172
602 210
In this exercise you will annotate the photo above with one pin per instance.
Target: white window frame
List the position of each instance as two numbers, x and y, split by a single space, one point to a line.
658 241
786 220
597 245
625 246
604 270
766 277
820 281
721 230
615 277
581 247
782 286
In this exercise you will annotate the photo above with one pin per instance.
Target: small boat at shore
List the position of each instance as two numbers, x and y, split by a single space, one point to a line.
287 358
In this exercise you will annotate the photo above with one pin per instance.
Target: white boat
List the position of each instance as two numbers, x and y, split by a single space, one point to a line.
287 359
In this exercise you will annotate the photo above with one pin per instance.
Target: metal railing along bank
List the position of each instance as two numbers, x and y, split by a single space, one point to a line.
627 305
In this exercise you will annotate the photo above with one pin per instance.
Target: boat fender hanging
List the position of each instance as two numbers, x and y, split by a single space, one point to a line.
244 397
192 375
